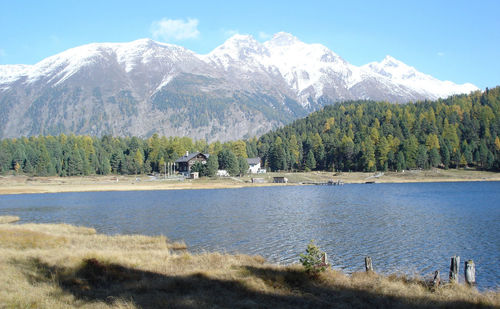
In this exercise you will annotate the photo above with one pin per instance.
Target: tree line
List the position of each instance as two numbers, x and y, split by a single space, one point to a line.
70 155
460 131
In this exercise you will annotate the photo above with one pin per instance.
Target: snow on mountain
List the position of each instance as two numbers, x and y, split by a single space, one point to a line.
306 68
242 88
303 65
242 51
11 72
401 73
56 69
309 69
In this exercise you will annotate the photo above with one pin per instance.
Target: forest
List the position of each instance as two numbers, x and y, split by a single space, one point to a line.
460 131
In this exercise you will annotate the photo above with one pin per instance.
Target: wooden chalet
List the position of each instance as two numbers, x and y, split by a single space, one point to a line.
185 162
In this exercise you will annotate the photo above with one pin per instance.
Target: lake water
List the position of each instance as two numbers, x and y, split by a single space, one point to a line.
405 228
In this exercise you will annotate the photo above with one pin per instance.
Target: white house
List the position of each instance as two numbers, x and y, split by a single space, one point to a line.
253 165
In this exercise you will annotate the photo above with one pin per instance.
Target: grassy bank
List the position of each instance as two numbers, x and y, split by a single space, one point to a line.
63 266
25 184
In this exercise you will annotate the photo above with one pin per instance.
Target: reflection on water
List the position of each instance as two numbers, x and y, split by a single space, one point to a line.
410 228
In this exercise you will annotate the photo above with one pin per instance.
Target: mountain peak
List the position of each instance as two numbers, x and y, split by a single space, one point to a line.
238 41
240 37
390 61
408 76
144 41
239 47
283 39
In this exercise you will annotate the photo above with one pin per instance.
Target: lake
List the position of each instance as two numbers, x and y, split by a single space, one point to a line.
405 228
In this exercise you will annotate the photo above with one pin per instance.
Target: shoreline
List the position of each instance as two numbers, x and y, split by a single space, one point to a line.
10 185
61 265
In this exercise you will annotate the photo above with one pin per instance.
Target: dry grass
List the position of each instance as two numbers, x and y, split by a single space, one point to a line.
62 266
24 184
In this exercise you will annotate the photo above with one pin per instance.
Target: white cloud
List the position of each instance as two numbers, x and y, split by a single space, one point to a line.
440 54
175 29
264 36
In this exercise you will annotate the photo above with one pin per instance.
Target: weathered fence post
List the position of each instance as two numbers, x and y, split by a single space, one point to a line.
470 272
455 262
437 280
324 259
368 264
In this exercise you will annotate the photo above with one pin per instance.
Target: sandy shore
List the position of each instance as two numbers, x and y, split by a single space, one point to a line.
25 184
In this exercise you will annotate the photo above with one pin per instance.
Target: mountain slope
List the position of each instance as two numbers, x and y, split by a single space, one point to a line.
242 88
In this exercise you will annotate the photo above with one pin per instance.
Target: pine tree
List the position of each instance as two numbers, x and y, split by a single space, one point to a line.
233 167
368 155
434 157
212 165
277 156
243 166
310 161
445 156
422 157
411 150
138 161
400 161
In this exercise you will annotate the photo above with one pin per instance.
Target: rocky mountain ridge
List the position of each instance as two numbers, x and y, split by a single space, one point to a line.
242 88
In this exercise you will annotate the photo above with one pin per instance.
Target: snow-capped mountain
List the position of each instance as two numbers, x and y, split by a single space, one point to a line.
403 74
241 88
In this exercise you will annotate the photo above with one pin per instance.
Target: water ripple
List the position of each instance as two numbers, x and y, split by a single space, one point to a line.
405 228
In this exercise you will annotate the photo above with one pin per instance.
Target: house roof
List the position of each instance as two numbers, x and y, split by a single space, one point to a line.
190 156
253 160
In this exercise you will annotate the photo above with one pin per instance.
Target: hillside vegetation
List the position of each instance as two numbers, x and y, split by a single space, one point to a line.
461 131
64 266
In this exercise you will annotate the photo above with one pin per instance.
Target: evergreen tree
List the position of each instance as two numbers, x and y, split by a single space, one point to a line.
74 163
422 157
42 162
310 161
233 167
445 156
382 151
115 162
199 168
277 156
212 165
229 162
368 155
434 157
138 161
400 161
243 166
411 150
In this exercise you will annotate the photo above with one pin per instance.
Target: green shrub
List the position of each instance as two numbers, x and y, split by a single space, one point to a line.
312 259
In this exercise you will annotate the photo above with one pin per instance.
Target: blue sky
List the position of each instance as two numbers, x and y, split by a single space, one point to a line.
451 40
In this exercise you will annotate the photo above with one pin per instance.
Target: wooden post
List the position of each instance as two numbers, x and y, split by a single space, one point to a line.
455 263
324 259
470 272
368 264
436 281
